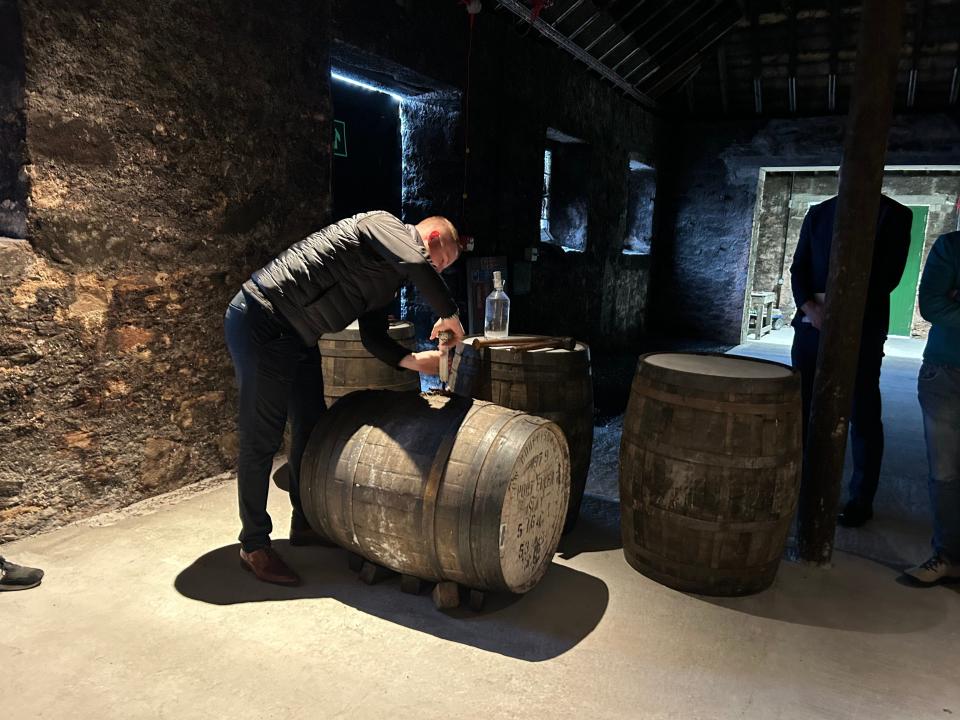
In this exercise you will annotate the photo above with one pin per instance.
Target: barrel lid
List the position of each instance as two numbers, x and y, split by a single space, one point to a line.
727 366
534 506
398 329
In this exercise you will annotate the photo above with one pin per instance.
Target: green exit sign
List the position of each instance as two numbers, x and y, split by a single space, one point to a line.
339 138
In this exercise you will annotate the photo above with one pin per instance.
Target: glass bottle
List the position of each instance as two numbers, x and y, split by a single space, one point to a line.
496 322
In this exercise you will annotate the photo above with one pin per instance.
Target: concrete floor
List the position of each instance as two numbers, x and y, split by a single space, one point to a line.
146 614
902 347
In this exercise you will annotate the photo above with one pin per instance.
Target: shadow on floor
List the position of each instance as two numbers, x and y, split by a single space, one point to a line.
597 530
854 595
546 622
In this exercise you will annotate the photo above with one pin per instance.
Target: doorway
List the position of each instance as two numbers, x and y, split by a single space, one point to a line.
367 167
904 298
786 194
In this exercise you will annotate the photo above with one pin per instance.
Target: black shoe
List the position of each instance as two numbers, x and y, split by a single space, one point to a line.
302 534
17 577
854 515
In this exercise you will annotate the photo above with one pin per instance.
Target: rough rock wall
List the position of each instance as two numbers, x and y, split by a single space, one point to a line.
642 197
521 86
773 225
170 149
432 157
702 260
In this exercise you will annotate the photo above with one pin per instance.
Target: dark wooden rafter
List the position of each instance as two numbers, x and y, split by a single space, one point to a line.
637 33
616 24
954 95
791 9
587 23
722 78
754 15
683 18
689 90
709 31
677 76
593 43
622 41
835 35
663 9
518 9
566 13
919 20
780 47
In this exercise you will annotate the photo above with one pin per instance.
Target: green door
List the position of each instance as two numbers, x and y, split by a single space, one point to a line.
904 298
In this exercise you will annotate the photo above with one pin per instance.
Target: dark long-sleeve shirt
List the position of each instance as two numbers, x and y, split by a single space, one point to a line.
375 336
375 324
939 303
811 261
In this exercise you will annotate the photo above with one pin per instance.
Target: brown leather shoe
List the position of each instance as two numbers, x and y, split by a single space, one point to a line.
268 566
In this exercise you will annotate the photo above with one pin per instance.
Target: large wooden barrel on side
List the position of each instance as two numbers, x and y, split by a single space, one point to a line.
552 384
439 487
709 470
347 366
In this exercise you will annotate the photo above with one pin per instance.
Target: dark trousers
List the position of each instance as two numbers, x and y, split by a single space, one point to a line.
866 427
277 375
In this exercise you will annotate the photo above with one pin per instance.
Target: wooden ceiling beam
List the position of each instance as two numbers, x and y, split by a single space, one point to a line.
690 51
655 53
722 75
835 34
918 24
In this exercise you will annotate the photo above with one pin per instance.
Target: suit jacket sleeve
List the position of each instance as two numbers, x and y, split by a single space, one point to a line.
894 239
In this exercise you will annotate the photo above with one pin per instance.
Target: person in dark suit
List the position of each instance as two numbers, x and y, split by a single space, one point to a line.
809 278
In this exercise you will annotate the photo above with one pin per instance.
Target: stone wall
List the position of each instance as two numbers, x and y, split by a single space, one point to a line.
709 199
170 149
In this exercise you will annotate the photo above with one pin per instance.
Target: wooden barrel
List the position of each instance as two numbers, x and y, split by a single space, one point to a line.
709 470
347 366
552 384
439 487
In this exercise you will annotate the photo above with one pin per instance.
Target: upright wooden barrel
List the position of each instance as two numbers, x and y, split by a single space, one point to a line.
709 470
439 487
347 366
552 384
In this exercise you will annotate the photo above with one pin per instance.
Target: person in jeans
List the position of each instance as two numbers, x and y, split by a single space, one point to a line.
938 388
808 275
348 271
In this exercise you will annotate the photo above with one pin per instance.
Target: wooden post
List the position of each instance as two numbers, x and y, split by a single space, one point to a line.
851 257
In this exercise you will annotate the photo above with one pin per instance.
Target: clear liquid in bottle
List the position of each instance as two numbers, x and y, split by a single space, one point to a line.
496 323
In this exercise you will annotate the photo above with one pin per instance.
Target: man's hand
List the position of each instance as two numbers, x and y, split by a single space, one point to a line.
451 324
813 310
427 362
